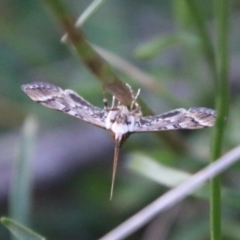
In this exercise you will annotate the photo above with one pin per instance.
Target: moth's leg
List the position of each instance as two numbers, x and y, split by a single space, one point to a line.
113 102
137 94
105 100
131 91
134 103
137 111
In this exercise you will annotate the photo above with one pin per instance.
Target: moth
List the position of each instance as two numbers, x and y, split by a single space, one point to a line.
119 119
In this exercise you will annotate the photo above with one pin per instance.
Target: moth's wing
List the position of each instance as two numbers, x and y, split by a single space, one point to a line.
66 101
180 118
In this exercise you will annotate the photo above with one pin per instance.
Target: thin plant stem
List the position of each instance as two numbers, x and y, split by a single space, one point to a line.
89 11
222 105
88 55
218 64
207 46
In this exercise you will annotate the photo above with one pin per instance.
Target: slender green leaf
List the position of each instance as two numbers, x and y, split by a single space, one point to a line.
161 44
88 12
172 177
19 231
173 196
20 192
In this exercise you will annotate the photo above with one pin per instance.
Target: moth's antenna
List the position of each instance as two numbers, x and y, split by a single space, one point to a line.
115 162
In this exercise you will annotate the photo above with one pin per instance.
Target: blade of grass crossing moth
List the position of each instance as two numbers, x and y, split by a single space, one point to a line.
115 162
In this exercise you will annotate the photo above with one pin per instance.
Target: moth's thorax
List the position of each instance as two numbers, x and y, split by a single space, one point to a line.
120 121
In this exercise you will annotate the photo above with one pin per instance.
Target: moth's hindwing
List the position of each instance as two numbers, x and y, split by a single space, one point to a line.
66 101
181 118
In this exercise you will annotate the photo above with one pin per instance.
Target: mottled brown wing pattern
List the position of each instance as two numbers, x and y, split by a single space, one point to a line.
66 101
180 118
119 119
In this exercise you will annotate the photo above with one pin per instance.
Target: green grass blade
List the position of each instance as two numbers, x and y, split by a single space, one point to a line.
217 61
20 192
88 55
172 177
173 196
222 105
19 231
89 11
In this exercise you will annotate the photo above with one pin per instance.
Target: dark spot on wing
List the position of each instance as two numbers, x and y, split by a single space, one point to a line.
170 114
203 110
78 99
144 122
47 101
66 109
